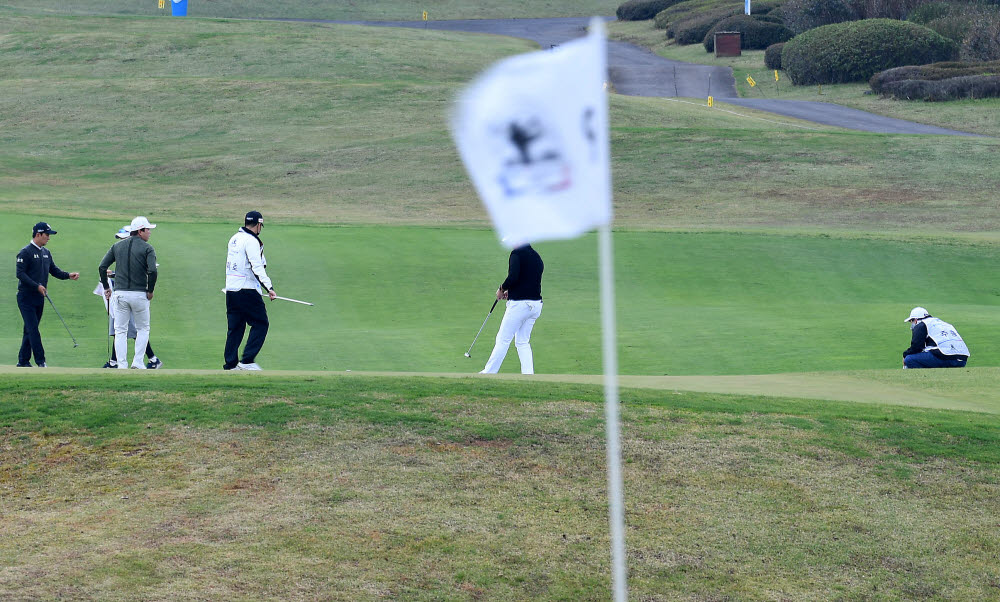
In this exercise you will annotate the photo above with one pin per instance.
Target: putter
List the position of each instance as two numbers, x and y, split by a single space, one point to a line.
469 352
75 344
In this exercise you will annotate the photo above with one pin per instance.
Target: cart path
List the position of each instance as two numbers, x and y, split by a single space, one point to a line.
636 71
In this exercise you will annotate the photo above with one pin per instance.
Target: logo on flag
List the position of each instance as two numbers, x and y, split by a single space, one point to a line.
533 134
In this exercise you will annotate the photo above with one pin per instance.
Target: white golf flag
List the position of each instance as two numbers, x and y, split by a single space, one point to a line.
533 133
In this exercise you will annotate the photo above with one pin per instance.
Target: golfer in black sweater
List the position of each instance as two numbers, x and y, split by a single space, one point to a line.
523 292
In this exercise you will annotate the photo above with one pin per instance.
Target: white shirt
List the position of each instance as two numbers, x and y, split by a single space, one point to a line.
245 263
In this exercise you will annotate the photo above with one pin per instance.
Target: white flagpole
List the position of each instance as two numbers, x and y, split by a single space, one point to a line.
616 502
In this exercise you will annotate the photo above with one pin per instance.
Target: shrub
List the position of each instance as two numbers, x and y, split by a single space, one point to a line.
849 52
885 9
803 15
932 72
681 14
982 41
661 20
641 10
765 7
925 13
769 18
693 31
953 27
970 86
755 34
772 55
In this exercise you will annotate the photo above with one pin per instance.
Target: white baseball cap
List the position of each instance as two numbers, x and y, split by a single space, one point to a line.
140 223
123 233
918 313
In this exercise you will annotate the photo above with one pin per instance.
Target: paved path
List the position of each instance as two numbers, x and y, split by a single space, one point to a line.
635 71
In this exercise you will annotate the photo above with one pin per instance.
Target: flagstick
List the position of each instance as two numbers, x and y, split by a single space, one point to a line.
616 504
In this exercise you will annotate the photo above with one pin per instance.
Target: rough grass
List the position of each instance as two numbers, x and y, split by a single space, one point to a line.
185 120
426 489
389 10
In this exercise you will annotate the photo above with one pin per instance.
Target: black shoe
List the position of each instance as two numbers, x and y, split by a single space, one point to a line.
154 364
109 365
28 365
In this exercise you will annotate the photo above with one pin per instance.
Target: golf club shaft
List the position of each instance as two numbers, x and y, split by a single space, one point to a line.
469 352
264 294
292 300
61 319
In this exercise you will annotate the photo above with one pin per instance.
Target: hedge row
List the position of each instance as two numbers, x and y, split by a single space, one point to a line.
932 72
702 14
755 34
970 86
693 31
856 50
641 10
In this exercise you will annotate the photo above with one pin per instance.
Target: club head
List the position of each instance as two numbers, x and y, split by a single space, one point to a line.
467 355
75 345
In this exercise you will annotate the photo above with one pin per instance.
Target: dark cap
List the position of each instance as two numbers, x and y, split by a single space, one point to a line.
253 218
42 228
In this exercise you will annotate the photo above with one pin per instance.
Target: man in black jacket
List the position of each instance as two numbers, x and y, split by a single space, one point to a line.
34 264
523 291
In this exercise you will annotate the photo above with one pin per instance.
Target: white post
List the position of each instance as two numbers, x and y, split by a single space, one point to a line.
746 6
616 503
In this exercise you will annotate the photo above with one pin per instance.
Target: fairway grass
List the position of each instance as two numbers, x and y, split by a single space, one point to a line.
366 488
411 299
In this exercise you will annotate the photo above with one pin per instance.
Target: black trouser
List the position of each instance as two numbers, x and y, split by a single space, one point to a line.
31 340
244 307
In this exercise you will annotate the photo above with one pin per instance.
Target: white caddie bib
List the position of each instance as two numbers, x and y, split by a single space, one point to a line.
949 342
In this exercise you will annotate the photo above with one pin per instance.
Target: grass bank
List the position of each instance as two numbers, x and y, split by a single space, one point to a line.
428 489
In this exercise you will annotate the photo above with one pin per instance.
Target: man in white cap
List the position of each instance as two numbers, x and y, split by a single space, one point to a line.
934 343
245 278
154 362
135 279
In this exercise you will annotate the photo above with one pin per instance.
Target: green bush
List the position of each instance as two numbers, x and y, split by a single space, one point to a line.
641 10
982 42
854 51
754 33
693 30
932 72
681 15
772 55
803 15
956 88
661 20
953 27
925 13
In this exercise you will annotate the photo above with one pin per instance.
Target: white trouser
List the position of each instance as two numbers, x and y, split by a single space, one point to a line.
518 319
135 305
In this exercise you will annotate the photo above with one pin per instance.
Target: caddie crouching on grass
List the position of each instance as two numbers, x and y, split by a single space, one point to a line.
934 343
245 275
